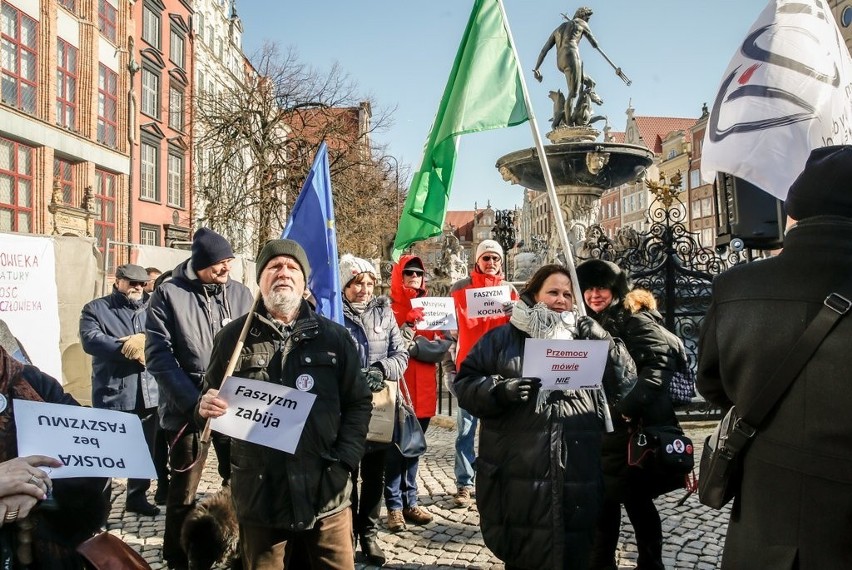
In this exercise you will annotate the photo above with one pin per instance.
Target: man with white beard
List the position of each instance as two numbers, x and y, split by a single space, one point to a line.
112 330
283 499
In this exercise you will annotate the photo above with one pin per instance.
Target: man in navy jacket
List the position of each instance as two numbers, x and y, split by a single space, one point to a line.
112 330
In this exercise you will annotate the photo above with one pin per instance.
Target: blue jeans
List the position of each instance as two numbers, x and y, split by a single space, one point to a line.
465 453
401 476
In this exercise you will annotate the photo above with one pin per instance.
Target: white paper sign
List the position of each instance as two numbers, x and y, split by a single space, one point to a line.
487 301
565 364
88 441
439 313
264 413
28 299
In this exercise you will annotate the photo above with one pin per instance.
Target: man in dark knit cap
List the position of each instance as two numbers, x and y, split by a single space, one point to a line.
284 499
184 314
794 509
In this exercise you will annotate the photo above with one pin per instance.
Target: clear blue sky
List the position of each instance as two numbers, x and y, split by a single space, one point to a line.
400 53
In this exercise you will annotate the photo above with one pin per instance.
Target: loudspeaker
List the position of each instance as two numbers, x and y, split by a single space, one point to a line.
748 213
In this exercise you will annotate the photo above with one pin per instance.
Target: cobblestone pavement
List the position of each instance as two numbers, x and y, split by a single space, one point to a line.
693 534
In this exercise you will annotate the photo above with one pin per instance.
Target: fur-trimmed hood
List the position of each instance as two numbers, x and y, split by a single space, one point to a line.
639 299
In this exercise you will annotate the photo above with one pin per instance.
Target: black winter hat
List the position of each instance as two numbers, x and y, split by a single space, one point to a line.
276 247
823 187
604 274
208 248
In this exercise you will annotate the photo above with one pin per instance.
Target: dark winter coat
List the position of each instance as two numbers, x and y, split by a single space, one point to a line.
637 323
377 337
275 489
538 482
795 507
182 321
83 503
118 383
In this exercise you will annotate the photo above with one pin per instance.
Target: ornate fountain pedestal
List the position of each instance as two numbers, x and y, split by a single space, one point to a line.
582 168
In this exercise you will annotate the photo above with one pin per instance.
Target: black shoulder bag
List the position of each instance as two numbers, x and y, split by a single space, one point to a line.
720 473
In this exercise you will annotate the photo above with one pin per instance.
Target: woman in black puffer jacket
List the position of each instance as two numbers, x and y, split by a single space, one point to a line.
631 316
538 481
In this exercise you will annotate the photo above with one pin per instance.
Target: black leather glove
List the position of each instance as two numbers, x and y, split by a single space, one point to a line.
589 329
516 390
375 378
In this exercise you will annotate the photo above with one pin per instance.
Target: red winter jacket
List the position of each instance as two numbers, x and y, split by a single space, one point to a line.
471 330
420 376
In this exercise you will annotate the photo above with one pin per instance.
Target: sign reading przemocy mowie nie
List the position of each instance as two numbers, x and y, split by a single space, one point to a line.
565 364
88 441
264 413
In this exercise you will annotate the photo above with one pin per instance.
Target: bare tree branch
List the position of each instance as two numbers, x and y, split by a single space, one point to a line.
257 141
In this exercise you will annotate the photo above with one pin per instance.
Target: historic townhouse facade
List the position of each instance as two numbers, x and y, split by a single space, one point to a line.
64 152
160 205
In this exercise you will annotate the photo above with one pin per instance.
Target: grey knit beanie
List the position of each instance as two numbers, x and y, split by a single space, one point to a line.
276 247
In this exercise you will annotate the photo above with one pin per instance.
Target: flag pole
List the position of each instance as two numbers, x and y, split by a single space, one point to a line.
235 356
554 200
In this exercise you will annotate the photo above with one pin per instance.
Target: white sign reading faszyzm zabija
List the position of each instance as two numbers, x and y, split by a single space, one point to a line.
265 413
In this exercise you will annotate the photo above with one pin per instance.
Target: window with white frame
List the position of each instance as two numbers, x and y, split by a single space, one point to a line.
149 234
694 178
151 26
175 190
176 108
150 93
707 207
148 163
176 47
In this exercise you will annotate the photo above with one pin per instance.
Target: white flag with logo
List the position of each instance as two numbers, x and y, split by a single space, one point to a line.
786 91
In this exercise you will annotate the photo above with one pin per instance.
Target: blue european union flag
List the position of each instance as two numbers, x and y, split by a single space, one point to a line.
311 225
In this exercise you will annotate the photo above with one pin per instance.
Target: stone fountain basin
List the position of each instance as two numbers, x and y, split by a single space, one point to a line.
567 162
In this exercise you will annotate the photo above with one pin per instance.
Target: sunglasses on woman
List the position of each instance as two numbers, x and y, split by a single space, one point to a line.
412 272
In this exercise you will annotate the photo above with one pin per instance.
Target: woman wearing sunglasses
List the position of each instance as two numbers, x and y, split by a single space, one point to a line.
407 283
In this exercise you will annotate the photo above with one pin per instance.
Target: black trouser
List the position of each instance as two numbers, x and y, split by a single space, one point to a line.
367 504
185 476
646 526
222 445
136 488
161 457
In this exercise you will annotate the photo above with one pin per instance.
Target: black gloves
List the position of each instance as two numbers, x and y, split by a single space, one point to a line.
375 378
516 390
589 329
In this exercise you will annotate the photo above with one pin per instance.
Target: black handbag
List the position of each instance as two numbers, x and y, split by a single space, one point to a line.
430 351
720 475
682 384
665 450
408 436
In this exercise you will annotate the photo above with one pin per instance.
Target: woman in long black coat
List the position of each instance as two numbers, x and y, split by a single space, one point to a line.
632 317
538 481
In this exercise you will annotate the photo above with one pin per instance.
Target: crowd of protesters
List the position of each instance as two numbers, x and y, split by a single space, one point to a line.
548 478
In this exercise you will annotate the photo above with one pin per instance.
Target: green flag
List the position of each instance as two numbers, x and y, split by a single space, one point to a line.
483 92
